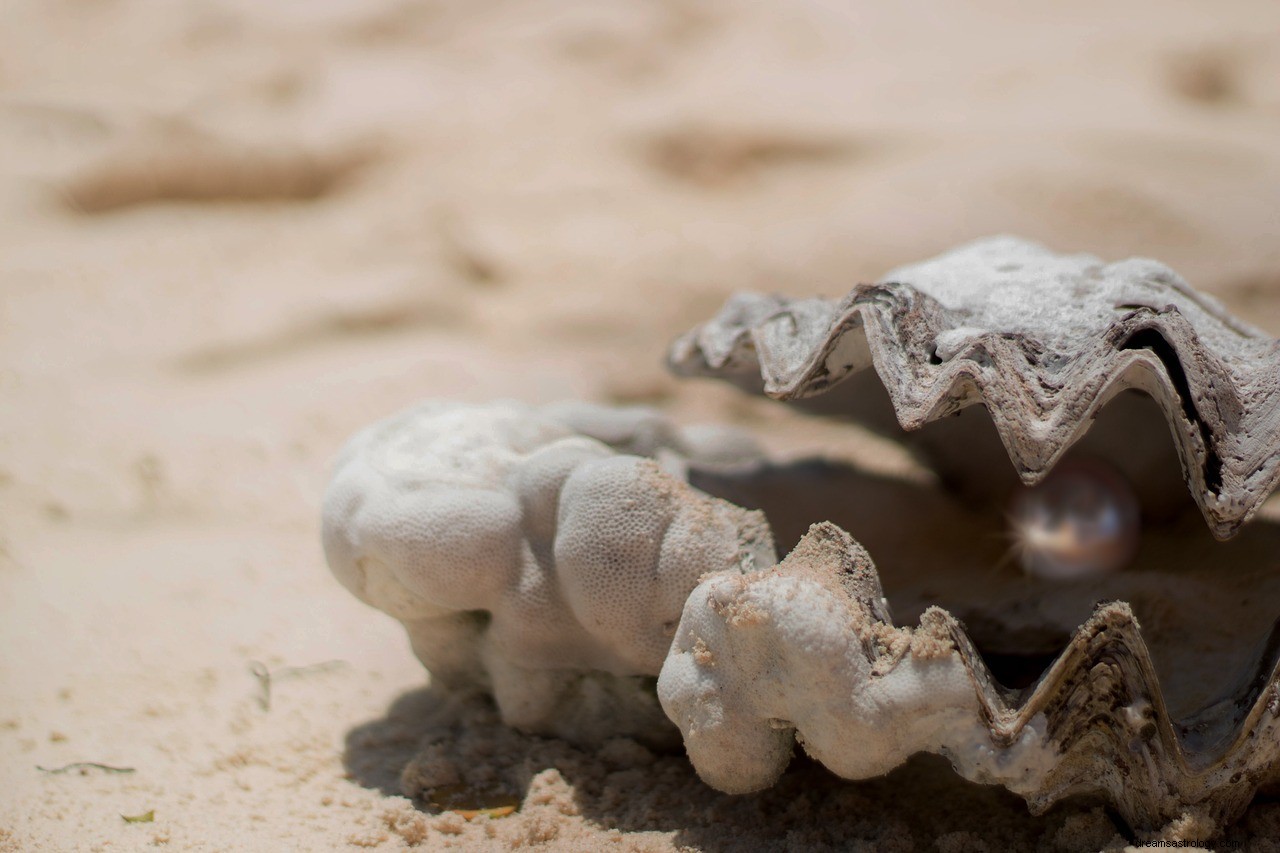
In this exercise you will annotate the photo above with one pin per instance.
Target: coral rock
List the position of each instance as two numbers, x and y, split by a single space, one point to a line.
527 558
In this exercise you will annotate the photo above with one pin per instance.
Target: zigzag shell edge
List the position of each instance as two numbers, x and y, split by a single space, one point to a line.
1219 388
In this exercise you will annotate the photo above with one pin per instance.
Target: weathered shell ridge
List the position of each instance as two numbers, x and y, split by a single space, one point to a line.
1043 341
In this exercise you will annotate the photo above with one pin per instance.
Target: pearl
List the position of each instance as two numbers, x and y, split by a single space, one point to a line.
1080 522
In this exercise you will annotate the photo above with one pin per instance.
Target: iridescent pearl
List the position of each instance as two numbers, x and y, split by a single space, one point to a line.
1081 521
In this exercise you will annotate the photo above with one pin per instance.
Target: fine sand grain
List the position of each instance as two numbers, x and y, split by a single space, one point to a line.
231 233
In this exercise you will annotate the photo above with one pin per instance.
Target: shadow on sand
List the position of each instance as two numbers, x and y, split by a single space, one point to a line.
427 736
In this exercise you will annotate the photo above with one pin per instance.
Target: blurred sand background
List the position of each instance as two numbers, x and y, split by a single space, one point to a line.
231 233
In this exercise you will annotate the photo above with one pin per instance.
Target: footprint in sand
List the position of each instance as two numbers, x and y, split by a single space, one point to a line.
172 161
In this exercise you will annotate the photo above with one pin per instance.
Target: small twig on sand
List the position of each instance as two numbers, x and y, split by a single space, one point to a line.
266 676
260 672
81 765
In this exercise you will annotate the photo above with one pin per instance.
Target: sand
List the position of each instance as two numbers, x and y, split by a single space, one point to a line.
231 233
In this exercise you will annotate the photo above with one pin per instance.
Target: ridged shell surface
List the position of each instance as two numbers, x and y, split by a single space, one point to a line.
1042 340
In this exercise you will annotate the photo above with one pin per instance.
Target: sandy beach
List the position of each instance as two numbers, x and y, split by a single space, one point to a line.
233 233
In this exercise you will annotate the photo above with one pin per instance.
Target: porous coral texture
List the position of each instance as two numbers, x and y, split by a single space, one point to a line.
527 558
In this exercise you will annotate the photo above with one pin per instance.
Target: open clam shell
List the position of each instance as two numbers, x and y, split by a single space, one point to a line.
1063 692
560 558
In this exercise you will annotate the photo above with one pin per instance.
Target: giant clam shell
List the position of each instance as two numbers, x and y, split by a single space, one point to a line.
1176 717
560 557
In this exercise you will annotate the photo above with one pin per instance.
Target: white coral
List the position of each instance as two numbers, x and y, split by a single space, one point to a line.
806 647
528 558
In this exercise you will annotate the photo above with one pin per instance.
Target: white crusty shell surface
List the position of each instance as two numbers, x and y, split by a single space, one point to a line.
526 557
